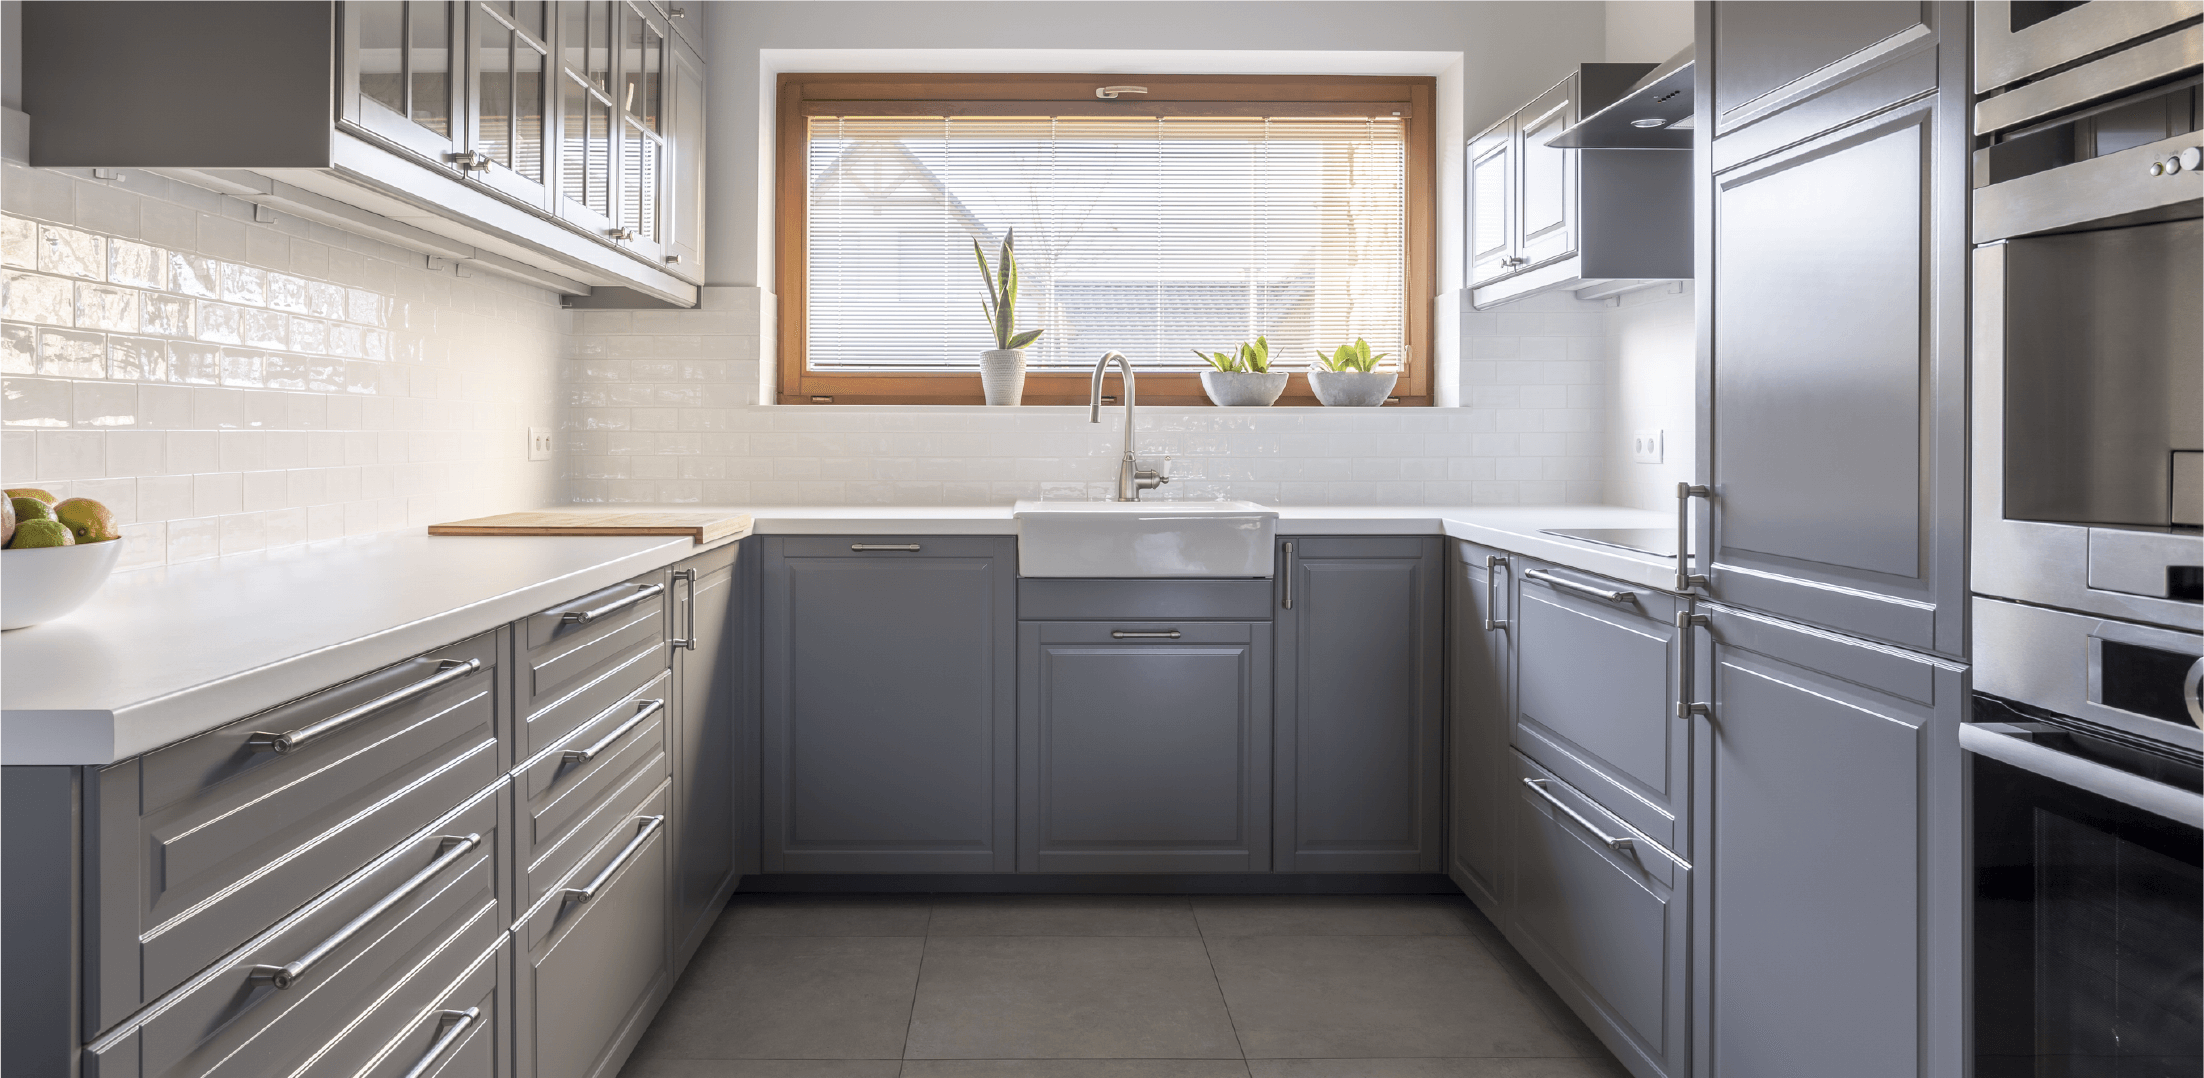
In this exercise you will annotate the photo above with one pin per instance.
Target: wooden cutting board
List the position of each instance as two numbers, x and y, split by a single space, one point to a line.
704 527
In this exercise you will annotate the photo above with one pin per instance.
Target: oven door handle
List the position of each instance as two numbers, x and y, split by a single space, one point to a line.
2134 791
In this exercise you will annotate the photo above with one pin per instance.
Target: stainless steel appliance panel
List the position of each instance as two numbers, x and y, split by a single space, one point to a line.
2130 678
2016 40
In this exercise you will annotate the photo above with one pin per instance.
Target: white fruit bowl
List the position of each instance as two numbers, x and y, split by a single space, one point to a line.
43 583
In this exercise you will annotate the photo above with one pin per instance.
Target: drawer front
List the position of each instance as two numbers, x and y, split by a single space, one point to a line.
461 1031
559 649
444 898
238 838
1596 695
589 972
561 789
1071 599
585 703
1609 935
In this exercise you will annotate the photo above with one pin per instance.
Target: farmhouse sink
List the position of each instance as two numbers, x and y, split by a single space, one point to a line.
1144 539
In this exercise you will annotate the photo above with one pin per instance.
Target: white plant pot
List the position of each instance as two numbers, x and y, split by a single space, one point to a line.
43 583
1002 376
1243 389
1352 389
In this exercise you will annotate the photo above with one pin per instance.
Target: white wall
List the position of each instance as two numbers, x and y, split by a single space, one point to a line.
227 386
1647 31
1650 370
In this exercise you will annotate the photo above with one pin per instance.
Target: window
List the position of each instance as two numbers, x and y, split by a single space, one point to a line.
1202 213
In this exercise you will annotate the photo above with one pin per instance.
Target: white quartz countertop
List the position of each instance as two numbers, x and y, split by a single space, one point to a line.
162 654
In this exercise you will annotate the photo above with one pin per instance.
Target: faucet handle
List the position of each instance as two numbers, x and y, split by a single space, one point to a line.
1150 480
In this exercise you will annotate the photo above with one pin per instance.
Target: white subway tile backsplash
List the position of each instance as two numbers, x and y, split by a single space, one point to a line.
71 253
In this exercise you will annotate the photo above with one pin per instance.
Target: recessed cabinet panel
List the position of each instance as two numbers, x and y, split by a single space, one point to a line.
1546 225
1492 204
1761 46
1479 769
706 775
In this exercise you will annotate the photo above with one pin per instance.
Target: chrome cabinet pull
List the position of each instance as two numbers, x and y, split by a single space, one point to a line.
1289 576
1492 592
1126 634
912 547
1545 577
1685 578
643 709
584 617
1685 622
2192 691
1618 843
650 827
447 671
455 1025
687 641
284 976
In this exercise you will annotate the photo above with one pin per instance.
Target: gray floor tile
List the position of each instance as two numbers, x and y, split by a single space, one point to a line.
1435 1068
1068 997
1062 915
763 1068
826 915
802 997
1074 1068
1333 915
1377 997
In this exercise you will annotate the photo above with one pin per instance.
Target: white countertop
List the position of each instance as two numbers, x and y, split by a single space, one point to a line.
162 654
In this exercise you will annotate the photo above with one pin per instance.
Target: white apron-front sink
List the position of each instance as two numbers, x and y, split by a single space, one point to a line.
1144 539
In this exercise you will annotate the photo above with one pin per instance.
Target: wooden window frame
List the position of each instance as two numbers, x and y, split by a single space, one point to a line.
802 95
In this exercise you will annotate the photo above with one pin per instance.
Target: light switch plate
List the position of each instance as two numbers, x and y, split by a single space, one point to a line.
539 443
1645 447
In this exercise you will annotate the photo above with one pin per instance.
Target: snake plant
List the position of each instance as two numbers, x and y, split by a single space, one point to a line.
1351 357
1252 358
1001 302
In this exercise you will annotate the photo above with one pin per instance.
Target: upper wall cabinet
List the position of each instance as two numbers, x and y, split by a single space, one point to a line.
1542 217
560 143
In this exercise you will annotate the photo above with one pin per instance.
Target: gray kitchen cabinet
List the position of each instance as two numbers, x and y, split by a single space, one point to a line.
889 704
1358 781
1492 185
1598 690
685 97
1479 687
1831 442
1144 746
707 712
1829 896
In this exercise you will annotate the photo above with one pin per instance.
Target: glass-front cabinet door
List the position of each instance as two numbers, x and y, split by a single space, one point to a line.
640 213
586 107
400 79
512 56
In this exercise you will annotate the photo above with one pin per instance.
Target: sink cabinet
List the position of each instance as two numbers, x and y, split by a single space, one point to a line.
1358 773
889 704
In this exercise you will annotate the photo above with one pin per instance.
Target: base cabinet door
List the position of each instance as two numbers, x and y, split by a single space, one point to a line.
1606 927
889 700
1479 773
1144 747
707 699
1358 696
1830 895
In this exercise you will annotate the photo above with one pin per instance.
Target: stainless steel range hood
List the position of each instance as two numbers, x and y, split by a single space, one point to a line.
1654 115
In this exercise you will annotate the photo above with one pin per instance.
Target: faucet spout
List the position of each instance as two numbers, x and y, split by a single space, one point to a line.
1131 480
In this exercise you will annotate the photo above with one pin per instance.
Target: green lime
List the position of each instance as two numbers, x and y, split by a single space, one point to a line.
38 533
30 509
88 520
33 492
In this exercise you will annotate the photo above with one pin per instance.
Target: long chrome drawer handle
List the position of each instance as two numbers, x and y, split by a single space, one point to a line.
286 975
1620 844
447 671
912 547
1122 634
584 617
649 828
643 710
1543 576
1492 593
455 1025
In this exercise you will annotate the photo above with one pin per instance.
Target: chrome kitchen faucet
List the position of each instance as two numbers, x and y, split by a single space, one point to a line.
1130 479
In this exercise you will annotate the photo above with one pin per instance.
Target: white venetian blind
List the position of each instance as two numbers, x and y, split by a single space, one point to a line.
1150 235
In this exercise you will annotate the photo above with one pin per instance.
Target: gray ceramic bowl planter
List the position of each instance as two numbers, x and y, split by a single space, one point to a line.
1353 389
1002 376
1243 389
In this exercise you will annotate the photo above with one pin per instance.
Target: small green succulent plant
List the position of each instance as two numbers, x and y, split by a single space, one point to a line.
1001 302
1251 358
1351 357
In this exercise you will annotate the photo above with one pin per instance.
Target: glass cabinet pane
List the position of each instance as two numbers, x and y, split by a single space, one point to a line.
600 44
631 62
599 197
429 63
493 89
528 15
574 35
654 64
528 65
382 53
573 140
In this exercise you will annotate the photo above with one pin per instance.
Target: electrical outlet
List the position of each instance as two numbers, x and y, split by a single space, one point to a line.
539 443
1645 447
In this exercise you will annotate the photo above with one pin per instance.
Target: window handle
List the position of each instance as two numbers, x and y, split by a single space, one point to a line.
1109 93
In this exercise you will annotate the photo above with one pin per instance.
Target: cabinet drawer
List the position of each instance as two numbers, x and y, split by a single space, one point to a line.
445 891
1596 694
556 721
461 1032
589 972
1607 929
229 838
572 641
559 792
